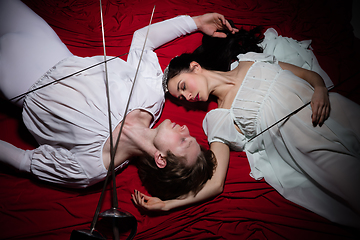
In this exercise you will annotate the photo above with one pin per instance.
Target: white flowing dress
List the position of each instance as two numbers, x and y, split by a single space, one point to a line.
289 50
315 167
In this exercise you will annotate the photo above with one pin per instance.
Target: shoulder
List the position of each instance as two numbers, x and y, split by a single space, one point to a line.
219 126
139 115
257 57
215 118
254 57
216 113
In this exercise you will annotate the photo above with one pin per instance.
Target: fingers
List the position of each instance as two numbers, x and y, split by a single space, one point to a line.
227 25
211 23
320 114
320 106
324 115
219 34
230 28
224 26
139 198
315 115
222 18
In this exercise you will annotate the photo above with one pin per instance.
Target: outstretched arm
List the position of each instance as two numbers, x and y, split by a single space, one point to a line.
165 31
320 103
212 188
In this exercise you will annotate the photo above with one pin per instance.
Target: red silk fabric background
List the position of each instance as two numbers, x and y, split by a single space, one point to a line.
247 209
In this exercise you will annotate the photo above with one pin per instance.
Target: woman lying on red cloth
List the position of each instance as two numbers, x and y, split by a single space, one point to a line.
312 157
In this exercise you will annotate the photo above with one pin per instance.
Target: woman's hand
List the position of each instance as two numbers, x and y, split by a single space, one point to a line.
320 106
320 103
210 23
147 202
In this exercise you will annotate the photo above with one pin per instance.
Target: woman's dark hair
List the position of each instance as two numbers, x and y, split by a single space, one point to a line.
217 53
176 178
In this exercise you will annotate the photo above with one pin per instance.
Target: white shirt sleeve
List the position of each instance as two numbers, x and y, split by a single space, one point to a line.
163 32
159 34
219 127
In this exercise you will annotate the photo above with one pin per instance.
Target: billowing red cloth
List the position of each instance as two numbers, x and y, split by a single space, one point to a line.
247 209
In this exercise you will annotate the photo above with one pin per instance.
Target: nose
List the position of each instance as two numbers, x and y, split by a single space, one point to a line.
187 96
184 129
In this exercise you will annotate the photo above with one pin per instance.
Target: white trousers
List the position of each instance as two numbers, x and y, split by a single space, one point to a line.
28 48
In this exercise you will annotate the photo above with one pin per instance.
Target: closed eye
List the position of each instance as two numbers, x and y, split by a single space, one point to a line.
183 87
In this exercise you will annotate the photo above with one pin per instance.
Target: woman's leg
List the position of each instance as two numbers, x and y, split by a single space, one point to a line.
28 48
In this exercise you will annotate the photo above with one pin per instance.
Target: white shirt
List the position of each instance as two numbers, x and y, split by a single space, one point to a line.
69 119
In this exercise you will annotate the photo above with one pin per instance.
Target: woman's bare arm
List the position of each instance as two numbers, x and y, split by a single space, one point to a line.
320 103
212 188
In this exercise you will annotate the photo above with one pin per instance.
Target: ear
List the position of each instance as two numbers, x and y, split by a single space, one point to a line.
195 66
159 159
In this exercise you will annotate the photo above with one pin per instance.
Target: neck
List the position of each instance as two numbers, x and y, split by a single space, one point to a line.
137 133
139 139
135 140
220 83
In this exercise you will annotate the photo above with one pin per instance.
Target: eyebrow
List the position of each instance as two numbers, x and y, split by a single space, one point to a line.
189 143
178 86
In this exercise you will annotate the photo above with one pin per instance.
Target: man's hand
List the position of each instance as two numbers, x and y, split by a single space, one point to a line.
210 23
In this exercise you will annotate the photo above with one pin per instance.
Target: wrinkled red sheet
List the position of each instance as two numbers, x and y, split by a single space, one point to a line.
247 209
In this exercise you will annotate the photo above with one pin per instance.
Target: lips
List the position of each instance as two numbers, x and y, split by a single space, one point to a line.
197 98
173 125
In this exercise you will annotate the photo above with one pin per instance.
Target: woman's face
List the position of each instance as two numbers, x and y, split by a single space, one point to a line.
190 86
177 139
